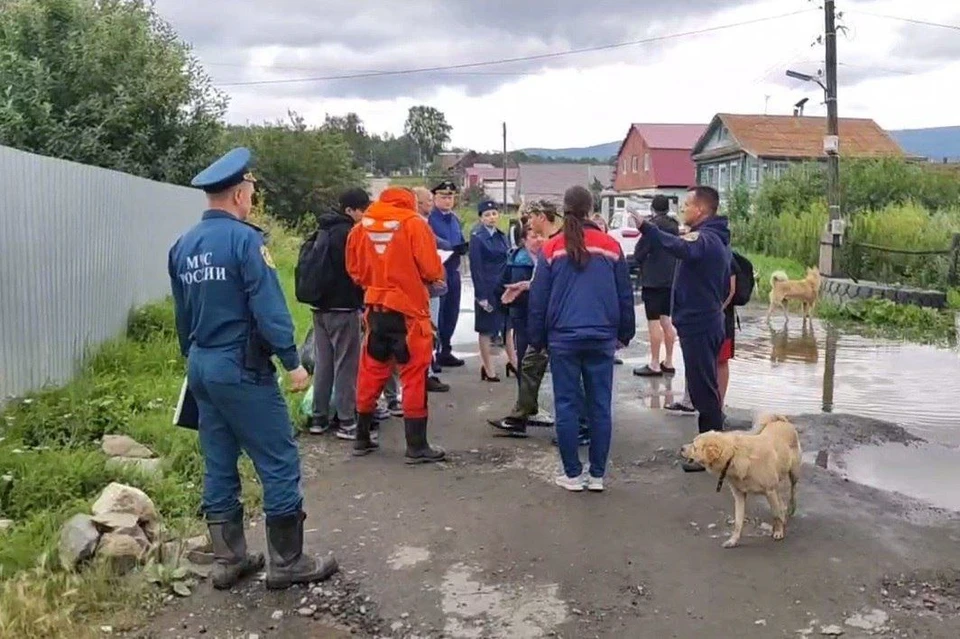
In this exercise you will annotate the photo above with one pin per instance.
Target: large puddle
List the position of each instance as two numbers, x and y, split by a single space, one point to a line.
814 367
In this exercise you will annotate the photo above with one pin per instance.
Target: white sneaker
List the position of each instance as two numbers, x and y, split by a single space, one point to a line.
573 484
595 484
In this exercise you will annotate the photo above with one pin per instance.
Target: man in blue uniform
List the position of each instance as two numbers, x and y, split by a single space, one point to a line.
699 294
446 226
231 317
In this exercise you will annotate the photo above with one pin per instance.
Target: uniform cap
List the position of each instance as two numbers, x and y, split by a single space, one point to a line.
486 205
232 168
446 187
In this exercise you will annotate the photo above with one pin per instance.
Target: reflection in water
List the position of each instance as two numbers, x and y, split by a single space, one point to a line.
923 471
830 368
801 348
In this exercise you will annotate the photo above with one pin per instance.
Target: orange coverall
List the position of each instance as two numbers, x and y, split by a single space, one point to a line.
392 255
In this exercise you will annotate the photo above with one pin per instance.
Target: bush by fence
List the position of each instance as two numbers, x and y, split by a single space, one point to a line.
889 203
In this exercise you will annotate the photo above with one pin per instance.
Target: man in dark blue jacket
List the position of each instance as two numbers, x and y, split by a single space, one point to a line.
446 226
231 316
703 275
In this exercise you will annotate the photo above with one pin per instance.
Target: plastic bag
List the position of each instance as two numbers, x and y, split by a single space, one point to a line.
306 405
308 352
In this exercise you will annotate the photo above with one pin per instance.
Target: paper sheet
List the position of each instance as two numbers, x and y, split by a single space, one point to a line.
444 255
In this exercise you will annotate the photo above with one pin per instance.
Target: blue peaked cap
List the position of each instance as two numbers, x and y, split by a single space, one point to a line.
230 169
486 205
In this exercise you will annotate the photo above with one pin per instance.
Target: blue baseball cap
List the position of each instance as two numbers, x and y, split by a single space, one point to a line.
232 168
487 205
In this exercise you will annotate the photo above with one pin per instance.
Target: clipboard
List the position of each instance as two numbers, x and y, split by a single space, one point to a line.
187 413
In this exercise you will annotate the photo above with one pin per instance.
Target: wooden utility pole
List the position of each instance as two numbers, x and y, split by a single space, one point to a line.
506 208
830 240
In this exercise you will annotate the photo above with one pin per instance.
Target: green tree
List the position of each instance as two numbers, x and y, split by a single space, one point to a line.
107 83
300 170
429 130
350 127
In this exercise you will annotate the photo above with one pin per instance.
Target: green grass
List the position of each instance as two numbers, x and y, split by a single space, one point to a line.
764 266
52 467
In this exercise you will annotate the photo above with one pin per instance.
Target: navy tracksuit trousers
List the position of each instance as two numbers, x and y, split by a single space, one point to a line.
700 353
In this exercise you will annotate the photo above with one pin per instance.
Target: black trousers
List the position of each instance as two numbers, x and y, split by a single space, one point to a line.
700 353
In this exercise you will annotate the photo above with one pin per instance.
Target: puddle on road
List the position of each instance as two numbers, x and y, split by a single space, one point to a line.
923 471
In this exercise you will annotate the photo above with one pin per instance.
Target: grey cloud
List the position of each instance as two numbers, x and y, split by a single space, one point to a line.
326 38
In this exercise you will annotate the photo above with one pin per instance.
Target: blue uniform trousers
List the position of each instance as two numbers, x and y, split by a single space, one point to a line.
250 416
700 353
449 312
583 385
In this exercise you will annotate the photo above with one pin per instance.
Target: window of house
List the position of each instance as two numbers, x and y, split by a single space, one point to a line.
722 178
623 166
646 162
734 174
620 203
636 164
753 172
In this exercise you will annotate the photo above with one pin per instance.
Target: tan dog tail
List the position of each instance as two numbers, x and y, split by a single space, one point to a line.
763 419
778 276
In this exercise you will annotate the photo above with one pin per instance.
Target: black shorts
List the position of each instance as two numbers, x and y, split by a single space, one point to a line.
656 302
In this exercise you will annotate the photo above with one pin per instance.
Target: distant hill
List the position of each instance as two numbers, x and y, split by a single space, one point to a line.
936 143
600 151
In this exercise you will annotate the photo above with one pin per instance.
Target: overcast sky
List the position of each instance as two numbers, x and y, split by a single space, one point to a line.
891 70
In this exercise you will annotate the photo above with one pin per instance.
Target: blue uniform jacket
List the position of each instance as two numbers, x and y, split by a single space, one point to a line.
519 268
573 308
446 226
225 286
703 273
488 256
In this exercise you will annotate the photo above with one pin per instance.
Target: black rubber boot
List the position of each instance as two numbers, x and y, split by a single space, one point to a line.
230 552
364 445
418 450
288 565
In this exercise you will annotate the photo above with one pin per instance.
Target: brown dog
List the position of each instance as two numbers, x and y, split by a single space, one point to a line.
753 463
783 289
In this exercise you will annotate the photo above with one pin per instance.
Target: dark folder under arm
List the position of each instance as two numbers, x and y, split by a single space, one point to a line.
187 415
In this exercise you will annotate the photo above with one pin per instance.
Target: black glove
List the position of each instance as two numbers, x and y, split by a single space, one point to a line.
462 249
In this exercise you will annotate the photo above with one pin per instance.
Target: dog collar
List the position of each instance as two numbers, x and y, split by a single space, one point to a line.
723 474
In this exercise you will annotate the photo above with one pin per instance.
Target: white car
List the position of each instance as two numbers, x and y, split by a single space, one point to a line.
623 228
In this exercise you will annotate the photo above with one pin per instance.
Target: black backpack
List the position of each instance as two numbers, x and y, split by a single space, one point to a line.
313 272
745 281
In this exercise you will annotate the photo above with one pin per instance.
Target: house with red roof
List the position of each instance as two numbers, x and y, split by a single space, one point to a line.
654 159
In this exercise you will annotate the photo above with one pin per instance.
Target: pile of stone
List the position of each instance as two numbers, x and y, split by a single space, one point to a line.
126 452
124 530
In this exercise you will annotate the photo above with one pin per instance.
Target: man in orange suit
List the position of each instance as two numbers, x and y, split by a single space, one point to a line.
392 255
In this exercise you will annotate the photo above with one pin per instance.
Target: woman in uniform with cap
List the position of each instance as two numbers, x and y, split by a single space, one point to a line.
489 249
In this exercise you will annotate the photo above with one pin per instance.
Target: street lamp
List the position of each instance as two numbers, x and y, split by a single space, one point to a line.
796 75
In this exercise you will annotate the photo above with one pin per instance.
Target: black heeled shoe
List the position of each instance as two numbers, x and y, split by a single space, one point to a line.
511 369
487 378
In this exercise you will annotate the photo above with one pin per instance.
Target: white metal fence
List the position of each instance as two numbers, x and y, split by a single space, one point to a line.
80 246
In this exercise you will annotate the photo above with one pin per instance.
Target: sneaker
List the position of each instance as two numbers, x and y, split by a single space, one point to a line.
573 484
682 409
382 413
595 484
510 426
318 426
395 408
347 432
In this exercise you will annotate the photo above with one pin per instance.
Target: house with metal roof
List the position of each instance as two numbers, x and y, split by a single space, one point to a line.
748 149
653 159
549 181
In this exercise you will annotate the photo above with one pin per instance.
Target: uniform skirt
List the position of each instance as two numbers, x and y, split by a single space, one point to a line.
489 323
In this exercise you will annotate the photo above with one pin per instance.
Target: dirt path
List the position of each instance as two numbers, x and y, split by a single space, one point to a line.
486 546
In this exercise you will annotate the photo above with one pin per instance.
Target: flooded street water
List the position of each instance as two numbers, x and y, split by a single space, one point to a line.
814 368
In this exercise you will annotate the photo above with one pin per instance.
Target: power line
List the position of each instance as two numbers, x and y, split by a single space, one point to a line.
925 23
542 56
